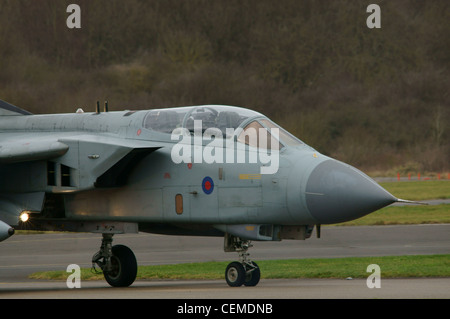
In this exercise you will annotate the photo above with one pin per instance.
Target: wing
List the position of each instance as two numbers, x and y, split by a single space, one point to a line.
29 148
14 152
7 109
92 161
18 150
35 163
104 161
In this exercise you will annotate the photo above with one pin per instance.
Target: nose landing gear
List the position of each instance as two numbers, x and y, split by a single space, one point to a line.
243 272
118 263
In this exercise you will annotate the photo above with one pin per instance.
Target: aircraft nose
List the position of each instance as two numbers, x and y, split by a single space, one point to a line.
337 192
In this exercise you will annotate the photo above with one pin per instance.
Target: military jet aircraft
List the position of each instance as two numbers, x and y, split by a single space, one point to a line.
207 170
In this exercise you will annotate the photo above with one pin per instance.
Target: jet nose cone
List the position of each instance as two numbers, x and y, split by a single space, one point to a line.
336 192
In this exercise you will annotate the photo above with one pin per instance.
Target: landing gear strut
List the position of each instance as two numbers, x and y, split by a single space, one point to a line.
243 272
118 263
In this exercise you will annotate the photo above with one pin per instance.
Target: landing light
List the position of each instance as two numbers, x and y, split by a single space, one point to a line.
24 216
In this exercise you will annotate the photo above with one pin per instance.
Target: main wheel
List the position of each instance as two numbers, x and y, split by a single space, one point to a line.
124 267
252 277
235 274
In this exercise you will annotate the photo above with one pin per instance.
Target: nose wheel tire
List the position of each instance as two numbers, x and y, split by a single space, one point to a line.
242 272
237 275
252 276
123 267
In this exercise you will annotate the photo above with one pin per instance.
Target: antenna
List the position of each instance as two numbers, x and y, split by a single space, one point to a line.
410 202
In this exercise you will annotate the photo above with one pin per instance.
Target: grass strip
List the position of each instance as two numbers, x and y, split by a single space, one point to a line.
419 190
405 215
355 267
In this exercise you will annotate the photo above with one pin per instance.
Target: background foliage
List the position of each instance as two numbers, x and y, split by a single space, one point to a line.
375 98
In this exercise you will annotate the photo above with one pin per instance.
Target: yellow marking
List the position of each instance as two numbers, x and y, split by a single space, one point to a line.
250 228
315 155
249 176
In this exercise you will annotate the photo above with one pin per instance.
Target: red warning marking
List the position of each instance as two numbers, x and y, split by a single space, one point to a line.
189 165
139 132
167 175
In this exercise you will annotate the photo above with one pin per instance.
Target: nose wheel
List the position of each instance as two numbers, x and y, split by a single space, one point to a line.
238 274
243 272
118 263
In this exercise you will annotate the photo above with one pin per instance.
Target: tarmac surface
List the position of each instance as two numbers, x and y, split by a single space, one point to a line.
416 288
21 255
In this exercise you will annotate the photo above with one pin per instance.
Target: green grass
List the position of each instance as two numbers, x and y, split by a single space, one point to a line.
355 267
419 190
405 215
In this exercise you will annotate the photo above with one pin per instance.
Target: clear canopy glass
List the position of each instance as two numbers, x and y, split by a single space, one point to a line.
224 119
211 116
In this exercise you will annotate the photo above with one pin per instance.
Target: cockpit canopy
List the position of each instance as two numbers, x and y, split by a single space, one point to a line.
214 116
222 120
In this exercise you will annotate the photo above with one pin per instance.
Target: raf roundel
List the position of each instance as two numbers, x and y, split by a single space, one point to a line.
208 185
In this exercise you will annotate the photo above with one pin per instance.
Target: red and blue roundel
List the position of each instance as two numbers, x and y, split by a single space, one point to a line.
208 185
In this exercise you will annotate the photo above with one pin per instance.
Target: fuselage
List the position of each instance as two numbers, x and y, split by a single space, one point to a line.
193 167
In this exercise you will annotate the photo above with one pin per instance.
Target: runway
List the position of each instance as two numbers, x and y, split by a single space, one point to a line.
417 288
23 254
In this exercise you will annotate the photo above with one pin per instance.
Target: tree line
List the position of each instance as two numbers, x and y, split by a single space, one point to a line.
376 98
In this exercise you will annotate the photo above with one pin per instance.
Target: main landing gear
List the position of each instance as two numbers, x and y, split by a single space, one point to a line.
243 272
118 263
